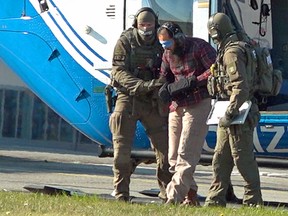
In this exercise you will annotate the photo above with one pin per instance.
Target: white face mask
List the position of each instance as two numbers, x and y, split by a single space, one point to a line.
146 31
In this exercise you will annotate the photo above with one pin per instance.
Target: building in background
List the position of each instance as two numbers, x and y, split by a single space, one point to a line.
23 116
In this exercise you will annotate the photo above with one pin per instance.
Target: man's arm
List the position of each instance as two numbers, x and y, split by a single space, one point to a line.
123 76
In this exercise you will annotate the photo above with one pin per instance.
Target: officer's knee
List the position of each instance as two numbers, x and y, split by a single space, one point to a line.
121 159
122 151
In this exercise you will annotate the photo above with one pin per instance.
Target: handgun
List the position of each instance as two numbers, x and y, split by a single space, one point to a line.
109 98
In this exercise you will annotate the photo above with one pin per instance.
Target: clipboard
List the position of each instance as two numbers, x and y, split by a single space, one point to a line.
219 108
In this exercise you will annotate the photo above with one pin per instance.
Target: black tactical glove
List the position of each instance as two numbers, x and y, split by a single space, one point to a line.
182 85
164 94
148 86
225 121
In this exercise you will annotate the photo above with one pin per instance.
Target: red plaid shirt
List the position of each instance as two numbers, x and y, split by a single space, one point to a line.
198 56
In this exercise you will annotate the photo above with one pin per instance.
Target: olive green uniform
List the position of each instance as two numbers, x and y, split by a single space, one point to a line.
133 63
235 143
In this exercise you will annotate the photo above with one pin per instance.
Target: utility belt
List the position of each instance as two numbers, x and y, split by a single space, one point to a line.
149 101
149 98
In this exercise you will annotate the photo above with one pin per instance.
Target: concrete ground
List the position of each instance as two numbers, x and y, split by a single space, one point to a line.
34 165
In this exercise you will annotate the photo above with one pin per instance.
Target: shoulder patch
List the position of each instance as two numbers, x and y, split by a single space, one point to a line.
231 68
119 57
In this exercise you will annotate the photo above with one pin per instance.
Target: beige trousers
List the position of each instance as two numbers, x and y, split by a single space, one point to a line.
187 132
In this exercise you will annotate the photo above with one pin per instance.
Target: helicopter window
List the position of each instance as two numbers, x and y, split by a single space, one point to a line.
179 12
189 14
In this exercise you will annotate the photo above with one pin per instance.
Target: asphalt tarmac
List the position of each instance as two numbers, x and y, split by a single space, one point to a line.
25 167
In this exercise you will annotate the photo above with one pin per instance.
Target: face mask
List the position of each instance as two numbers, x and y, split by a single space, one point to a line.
214 35
145 32
166 44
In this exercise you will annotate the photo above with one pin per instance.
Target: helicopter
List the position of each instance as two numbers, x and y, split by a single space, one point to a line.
62 50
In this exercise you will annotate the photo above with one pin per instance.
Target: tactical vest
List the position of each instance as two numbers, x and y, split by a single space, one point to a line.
220 82
145 61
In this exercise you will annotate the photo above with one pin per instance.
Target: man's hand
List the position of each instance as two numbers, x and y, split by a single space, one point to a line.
225 121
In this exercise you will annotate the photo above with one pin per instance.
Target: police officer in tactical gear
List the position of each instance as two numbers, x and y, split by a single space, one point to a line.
230 80
135 74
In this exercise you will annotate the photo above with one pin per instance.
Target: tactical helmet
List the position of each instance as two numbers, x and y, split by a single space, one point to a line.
219 27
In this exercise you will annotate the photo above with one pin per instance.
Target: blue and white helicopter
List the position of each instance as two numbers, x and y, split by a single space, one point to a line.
62 50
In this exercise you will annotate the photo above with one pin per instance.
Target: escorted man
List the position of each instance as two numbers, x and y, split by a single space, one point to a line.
234 142
189 60
135 72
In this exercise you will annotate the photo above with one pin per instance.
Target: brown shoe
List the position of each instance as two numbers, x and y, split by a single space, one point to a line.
191 199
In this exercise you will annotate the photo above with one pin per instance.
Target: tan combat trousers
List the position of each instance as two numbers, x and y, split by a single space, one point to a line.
123 125
234 147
